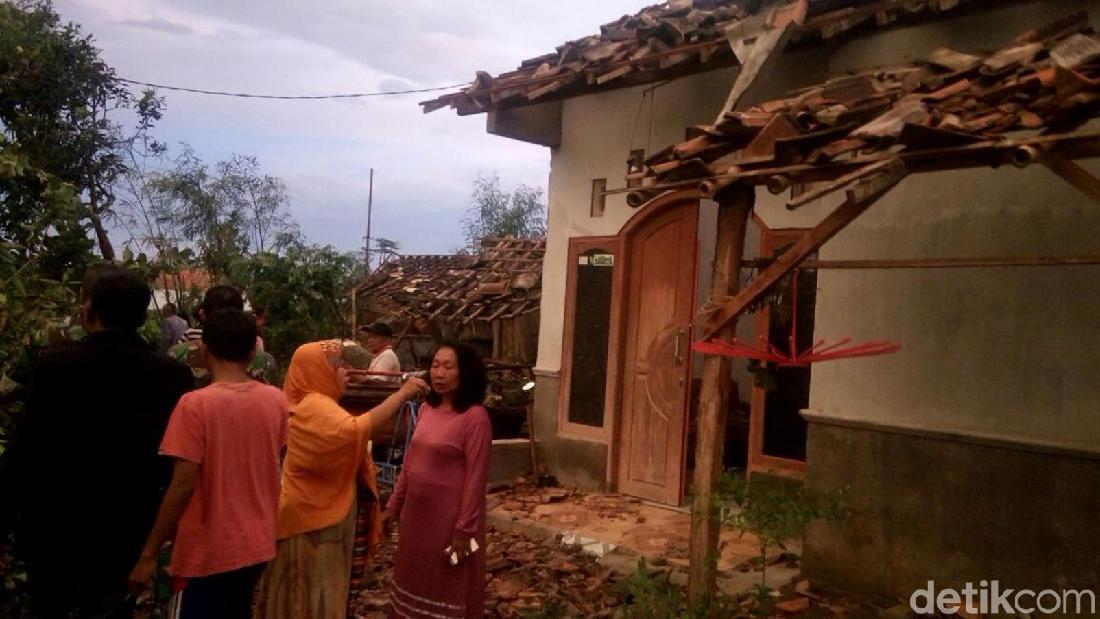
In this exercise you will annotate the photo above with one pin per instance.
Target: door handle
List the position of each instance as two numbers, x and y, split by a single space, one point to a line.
679 356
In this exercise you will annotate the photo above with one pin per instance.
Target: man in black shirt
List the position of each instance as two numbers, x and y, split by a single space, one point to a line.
85 460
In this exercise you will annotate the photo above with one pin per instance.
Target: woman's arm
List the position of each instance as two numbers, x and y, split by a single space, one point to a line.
382 415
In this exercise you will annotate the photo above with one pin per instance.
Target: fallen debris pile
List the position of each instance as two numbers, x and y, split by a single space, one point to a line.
524 495
951 104
523 577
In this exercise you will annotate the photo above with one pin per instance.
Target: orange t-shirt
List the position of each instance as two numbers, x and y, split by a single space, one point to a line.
235 431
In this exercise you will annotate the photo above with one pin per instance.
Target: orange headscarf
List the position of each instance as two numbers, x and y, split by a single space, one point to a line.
312 370
325 446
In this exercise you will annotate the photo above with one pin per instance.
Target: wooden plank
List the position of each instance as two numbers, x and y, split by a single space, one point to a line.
733 216
981 154
1073 174
765 51
941 263
763 145
860 198
838 184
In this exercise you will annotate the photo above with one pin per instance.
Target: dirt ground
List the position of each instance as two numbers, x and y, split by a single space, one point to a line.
553 552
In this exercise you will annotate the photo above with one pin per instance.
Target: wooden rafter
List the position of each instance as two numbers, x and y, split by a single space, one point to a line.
860 197
1073 174
978 155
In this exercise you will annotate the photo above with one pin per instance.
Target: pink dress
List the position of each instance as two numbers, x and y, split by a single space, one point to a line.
440 496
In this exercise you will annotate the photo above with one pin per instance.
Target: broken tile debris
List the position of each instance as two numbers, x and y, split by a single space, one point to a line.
503 281
1047 80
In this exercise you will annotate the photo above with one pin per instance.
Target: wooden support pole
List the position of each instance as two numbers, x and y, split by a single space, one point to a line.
735 204
1073 173
860 198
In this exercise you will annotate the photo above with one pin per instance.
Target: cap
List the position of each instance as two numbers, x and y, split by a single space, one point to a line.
379 328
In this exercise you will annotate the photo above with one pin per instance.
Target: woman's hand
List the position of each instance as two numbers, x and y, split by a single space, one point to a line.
460 546
413 387
387 519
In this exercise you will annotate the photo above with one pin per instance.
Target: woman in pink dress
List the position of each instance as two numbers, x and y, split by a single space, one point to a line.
439 500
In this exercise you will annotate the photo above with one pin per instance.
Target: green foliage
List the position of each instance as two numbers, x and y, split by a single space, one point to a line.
550 611
650 596
304 291
773 511
654 596
55 103
223 213
494 213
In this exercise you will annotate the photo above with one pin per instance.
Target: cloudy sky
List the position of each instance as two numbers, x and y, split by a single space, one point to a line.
424 164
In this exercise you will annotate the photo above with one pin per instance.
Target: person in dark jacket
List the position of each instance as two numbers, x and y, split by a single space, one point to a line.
84 460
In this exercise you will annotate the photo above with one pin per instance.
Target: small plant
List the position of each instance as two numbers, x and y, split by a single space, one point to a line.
775 513
651 596
550 611
655 596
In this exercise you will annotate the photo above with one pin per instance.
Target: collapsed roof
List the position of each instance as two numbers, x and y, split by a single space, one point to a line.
664 41
1044 84
502 282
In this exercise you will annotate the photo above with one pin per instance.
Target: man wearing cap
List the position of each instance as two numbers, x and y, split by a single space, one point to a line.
379 340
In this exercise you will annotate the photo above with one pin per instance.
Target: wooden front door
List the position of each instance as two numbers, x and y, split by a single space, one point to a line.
659 301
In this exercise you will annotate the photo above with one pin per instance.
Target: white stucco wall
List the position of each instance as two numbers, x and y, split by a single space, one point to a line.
598 133
998 353
1005 352
1008 353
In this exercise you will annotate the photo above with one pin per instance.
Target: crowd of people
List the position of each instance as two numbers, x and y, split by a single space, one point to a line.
266 495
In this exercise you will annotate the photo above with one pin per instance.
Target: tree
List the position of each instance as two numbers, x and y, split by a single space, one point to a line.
494 213
384 249
261 199
222 213
188 197
55 104
304 291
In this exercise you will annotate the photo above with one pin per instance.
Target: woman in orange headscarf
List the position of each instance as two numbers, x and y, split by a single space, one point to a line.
309 576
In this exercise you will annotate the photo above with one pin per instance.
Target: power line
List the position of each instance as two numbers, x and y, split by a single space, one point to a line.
353 95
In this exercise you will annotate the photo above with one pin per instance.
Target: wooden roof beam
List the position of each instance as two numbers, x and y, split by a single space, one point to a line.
860 197
1072 173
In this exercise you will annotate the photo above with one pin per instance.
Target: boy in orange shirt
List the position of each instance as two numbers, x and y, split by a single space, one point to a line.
220 509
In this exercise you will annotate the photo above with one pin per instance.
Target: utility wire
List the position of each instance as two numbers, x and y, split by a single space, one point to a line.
353 95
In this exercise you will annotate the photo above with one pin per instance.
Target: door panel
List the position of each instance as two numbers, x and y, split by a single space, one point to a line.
659 306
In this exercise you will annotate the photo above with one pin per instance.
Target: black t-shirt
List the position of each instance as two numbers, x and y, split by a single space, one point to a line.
85 457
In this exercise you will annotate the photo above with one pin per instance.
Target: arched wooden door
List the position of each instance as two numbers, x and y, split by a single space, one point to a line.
660 252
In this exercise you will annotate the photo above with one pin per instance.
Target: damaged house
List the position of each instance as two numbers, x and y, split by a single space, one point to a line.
843 241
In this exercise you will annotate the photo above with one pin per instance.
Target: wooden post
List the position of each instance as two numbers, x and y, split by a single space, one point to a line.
734 206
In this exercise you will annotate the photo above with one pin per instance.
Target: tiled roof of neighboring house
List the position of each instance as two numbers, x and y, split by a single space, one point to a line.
503 281
185 279
1041 86
664 41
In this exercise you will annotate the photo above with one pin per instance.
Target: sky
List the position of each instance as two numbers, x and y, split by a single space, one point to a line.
424 164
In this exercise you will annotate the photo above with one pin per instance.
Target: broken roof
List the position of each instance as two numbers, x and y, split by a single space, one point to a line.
1044 85
664 41
502 282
